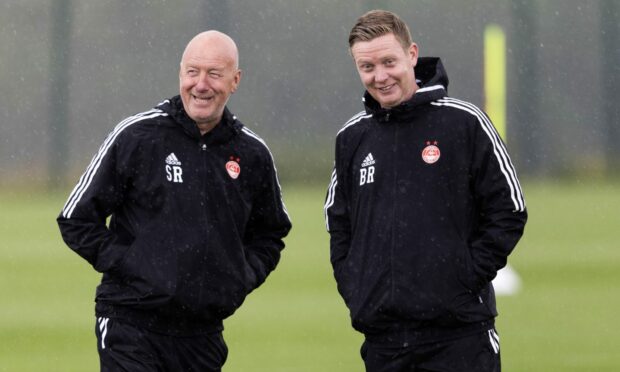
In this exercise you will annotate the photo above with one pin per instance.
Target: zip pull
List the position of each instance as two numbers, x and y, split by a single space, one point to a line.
387 117
204 147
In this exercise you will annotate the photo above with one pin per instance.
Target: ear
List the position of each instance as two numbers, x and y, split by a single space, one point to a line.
236 81
413 54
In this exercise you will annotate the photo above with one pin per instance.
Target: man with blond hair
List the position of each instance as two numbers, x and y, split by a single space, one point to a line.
197 220
423 209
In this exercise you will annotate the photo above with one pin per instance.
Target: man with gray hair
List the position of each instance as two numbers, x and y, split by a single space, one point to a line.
423 209
196 220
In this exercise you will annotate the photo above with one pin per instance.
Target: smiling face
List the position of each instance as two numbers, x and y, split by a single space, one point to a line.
386 69
209 74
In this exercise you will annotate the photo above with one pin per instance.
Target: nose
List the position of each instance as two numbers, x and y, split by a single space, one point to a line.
203 83
380 74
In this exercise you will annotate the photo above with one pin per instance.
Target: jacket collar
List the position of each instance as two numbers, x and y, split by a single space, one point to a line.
433 82
221 133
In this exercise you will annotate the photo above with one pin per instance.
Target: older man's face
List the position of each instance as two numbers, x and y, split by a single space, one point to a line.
208 76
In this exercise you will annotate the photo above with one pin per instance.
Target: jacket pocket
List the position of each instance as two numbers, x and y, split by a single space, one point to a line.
149 270
466 273
344 282
469 306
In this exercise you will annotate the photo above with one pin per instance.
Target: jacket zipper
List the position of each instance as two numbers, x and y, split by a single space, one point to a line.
203 150
394 197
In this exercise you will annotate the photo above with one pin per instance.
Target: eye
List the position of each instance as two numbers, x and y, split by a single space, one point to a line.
192 72
366 67
215 75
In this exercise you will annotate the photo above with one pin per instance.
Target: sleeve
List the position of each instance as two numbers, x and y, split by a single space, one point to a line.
337 217
82 221
500 204
268 224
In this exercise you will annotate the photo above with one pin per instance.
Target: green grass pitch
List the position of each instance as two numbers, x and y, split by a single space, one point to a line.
565 318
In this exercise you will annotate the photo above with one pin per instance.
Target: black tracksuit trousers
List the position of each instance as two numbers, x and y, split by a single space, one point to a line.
478 352
125 347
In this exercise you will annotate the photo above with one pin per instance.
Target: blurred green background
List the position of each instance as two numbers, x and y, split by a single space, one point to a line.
564 318
70 70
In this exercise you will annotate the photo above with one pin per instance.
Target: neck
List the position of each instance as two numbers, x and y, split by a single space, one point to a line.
205 128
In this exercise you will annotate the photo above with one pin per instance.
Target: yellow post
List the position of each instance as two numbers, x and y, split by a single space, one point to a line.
507 282
495 77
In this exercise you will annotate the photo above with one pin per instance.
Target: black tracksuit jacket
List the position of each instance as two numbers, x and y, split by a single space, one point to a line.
423 208
196 223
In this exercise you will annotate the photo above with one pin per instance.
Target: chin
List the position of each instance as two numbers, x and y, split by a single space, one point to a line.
389 104
200 114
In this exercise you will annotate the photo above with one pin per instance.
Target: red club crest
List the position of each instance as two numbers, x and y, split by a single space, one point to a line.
431 152
233 168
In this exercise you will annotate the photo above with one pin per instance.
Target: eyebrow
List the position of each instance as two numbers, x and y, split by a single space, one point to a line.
363 60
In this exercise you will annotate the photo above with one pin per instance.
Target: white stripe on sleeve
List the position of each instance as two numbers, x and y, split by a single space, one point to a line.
248 132
499 149
91 170
331 195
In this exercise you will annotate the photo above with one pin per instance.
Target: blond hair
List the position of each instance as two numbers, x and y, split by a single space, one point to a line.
377 23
